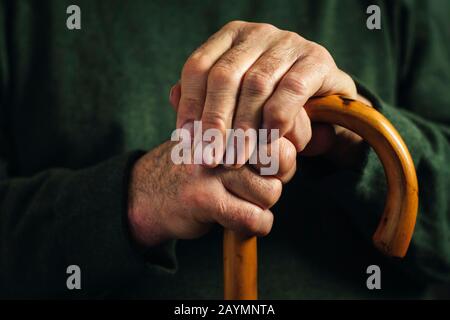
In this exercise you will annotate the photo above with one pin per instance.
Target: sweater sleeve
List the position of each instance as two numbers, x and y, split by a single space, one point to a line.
59 218
422 117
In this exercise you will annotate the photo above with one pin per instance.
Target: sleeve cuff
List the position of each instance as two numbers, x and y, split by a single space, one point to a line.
92 219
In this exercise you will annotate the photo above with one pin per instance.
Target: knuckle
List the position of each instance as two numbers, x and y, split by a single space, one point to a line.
266 229
256 30
197 65
278 117
258 83
213 119
292 37
265 27
223 75
269 190
250 221
295 85
320 52
273 192
234 24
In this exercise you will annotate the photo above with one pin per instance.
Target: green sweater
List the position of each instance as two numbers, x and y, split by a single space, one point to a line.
78 107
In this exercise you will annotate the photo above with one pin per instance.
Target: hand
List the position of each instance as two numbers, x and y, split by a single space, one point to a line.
249 75
168 201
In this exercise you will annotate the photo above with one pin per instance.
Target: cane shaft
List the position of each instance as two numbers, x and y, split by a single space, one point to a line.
240 266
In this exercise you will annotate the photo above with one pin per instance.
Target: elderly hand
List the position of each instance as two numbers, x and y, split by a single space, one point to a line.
253 75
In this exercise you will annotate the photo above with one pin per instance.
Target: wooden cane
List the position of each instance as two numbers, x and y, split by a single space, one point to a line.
395 229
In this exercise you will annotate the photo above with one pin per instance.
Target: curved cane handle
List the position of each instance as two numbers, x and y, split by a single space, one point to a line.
394 231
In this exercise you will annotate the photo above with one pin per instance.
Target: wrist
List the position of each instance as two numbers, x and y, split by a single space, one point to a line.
145 226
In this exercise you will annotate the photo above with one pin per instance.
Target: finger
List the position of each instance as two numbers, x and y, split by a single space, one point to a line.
195 74
302 81
248 185
260 81
300 133
338 82
243 217
315 73
174 96
287 159
224 82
